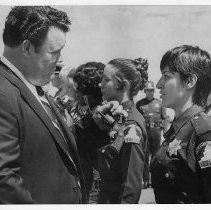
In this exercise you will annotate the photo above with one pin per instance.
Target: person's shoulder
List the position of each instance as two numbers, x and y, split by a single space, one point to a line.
7 87
8 81
133 113
135 117
203 118
201 123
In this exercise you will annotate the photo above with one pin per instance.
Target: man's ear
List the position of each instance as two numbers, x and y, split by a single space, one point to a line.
27 48
191 81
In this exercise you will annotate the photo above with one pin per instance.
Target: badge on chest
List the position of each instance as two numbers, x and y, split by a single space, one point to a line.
174 146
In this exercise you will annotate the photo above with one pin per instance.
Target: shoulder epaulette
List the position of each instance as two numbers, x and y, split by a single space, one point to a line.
201 123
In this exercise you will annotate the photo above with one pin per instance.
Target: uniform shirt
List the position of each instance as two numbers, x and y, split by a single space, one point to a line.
121 162
152 111
181 169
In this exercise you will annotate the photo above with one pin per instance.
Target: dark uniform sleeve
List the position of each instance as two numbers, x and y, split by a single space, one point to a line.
12 190
203 157
139 106
132 163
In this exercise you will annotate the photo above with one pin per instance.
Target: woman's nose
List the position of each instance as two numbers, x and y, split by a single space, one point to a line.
159 84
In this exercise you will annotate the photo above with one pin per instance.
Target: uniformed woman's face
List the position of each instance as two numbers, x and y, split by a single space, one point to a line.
173 91
109 84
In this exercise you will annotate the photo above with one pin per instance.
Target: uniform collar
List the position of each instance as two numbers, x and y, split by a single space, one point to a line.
185 117
150 99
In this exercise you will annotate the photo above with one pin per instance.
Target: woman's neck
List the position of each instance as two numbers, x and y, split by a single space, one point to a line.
123 97
184 106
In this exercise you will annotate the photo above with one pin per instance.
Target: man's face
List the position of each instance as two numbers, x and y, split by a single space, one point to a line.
43 63
109 84
173 92
149 93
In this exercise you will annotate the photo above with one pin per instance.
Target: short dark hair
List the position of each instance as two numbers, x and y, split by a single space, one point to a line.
188 60
32 23
88 76
135 71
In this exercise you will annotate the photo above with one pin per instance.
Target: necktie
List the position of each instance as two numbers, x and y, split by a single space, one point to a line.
48 109
51 115
40 91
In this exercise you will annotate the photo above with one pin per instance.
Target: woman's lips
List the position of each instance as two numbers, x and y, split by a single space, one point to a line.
161 95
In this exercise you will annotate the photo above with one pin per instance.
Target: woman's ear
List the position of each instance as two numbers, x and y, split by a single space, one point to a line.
126 84
122 85
191 82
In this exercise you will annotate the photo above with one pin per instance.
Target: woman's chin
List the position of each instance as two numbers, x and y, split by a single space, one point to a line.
164 104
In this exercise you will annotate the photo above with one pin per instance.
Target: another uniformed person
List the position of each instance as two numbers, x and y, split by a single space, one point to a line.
181 169
155 116
86 80
121 161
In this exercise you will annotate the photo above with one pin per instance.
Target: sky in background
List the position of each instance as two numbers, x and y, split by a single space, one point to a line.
101 33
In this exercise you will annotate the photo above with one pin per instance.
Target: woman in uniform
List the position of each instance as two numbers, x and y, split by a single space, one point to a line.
121 160
181 169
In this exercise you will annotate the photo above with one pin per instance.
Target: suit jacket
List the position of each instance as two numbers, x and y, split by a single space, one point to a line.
36 164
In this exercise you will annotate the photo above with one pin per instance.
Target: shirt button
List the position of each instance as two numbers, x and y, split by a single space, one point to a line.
79 185
167 175
75 189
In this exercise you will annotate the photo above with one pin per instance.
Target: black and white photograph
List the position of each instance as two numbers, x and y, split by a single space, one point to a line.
105 103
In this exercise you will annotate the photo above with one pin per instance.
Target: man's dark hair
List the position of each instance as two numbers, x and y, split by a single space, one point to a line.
88 77
32 23
188 60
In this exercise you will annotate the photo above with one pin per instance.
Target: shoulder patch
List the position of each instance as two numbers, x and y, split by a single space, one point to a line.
133 134
203 154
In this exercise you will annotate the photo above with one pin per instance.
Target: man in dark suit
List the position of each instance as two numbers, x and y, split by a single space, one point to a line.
38 155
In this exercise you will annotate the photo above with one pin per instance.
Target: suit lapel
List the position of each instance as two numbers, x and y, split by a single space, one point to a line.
37 108
66 131
72 144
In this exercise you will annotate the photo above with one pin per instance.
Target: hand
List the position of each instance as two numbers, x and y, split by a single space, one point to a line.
112 106
98 119
65 98
104 120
